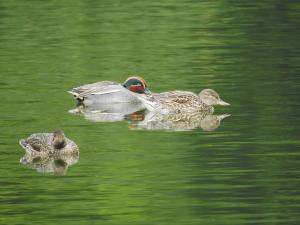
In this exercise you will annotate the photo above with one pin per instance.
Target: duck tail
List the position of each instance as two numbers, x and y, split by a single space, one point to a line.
76 95
23 143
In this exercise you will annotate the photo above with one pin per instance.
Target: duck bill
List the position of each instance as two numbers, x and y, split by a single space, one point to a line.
221 117
223 103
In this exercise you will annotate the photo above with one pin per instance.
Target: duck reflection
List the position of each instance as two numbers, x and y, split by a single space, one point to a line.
106 112
149 120
56 164
176 122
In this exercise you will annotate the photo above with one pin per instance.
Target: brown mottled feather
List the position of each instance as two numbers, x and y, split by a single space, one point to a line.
181 101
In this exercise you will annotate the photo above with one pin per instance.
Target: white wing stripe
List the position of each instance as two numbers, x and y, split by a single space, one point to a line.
105 92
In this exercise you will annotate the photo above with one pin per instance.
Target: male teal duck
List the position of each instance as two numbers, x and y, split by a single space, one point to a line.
183 101
49 143
108 92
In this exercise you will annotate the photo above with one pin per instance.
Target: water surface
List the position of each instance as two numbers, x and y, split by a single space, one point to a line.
244 172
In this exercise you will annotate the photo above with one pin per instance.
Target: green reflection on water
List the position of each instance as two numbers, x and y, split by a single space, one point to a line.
244 172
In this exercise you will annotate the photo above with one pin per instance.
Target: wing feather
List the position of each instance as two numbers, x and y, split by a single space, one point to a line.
102 87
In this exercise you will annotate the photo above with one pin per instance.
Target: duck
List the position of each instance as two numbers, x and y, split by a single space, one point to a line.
109 92
183 101
49 144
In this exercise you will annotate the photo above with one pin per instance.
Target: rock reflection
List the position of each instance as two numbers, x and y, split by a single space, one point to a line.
56 164
145 120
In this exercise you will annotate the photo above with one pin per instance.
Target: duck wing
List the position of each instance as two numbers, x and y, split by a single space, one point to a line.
87 89
36 142
180 97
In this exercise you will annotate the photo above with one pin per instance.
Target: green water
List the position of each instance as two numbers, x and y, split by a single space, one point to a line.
244 172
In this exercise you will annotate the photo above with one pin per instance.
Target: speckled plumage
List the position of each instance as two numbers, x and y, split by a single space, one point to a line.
46 163
182 101
178 121
48 143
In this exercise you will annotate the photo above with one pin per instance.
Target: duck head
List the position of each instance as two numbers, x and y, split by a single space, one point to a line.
59 140
136 84
60 167
211 97
212 122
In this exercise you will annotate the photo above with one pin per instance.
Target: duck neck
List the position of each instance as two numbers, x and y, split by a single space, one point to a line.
59 142
206 106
